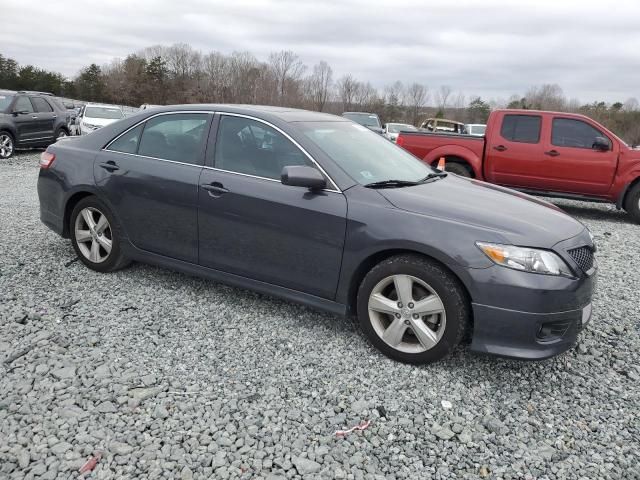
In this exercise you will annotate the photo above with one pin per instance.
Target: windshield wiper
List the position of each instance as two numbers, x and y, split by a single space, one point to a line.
391 184
434 175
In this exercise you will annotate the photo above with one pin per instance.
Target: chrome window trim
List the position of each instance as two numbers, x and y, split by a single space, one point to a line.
241 115
106 148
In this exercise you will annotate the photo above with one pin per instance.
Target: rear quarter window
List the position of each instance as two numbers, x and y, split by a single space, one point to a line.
521 128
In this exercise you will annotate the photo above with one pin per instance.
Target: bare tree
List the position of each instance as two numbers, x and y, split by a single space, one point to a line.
319 85
546 97
217 76
442 95
631 105
348 88
417 96
286 68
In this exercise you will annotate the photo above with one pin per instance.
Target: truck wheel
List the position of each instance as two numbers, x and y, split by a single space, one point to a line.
459 169
412 309
632 205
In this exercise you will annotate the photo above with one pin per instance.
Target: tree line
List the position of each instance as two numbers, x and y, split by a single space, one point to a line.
181 74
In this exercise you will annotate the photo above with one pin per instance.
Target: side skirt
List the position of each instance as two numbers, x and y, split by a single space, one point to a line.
312 301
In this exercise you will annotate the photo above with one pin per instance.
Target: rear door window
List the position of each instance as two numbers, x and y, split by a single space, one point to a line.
521 128
128 143
41 105
23 104
569 132
178 137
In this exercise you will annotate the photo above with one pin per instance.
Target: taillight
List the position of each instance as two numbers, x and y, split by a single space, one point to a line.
46 159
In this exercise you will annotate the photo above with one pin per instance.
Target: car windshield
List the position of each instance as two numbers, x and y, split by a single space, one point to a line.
399 127
366 119
364 155
5 101
103 112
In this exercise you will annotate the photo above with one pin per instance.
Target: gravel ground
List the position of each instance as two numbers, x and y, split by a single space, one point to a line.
166 375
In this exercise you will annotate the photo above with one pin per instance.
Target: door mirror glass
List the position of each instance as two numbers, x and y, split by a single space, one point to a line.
601 143
303 176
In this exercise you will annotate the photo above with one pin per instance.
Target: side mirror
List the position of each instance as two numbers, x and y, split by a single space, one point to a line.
601 143
303 176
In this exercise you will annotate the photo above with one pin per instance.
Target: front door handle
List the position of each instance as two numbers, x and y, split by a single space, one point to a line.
552 153
34 116
500 148
110 166
215 189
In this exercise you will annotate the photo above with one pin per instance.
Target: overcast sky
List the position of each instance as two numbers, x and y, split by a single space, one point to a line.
492 48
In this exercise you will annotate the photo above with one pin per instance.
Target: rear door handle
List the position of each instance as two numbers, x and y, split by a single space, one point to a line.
552 153
110 166
215 189
500 148
34 116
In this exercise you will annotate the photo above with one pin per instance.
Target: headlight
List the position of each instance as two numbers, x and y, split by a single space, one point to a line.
88 125
526 259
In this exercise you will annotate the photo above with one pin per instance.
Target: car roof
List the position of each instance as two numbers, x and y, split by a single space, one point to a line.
102 105
263 111
7 92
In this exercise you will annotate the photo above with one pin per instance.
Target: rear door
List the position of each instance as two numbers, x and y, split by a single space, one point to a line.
26 120
576 166
46 118
254 226
515 152
150 175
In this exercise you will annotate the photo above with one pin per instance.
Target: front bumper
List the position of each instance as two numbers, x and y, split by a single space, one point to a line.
526 335
531 316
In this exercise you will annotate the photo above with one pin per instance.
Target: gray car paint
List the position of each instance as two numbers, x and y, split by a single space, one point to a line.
316 247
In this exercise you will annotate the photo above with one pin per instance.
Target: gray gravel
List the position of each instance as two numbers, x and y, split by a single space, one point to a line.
171 376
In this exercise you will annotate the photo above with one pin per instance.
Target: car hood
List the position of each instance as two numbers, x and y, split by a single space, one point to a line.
99 122
516 217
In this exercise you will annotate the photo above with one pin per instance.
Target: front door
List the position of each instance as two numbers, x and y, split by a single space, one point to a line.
252 225
46 118
576 166
150 175
26 121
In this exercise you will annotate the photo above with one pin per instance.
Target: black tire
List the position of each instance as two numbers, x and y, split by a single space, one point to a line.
60 133
632 203
8 147
443 283
459 169
115 259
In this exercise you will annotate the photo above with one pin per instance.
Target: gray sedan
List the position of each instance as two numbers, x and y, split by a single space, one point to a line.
317 209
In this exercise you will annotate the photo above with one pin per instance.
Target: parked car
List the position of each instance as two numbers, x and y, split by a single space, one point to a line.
30 120
316 209
442 125
476 129
546 153
391 130
369 120
95 115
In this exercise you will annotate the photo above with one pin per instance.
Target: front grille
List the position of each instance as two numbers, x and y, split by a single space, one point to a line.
583 256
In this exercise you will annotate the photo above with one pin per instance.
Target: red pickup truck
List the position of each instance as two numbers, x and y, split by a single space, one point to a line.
545 153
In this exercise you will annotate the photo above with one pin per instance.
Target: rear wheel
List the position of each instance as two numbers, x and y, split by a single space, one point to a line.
459 169
95 236
632 204
6 145
61 133
412 309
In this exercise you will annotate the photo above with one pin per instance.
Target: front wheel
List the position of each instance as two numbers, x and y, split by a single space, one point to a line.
632 204
95 236
413 309
6 145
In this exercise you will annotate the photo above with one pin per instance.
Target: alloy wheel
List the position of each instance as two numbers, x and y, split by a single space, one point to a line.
6 145
407 313
93 235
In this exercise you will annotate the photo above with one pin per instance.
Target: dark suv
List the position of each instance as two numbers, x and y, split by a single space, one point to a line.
30 119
